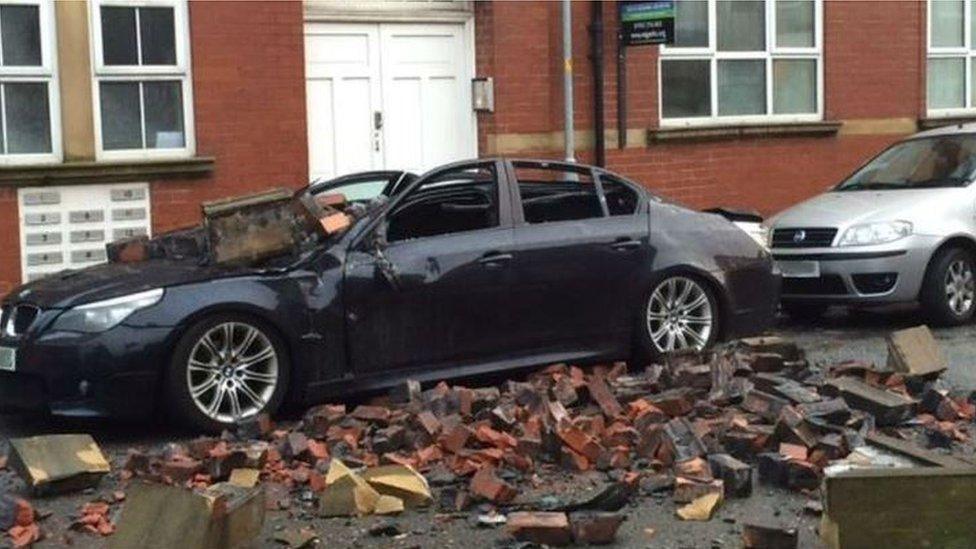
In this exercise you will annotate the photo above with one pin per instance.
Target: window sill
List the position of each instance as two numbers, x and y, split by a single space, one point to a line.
942 121
771 129
78 173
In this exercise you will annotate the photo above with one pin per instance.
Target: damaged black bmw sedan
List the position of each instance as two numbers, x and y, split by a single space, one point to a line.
473 267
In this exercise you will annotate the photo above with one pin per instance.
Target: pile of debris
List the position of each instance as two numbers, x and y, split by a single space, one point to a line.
697 427
247 230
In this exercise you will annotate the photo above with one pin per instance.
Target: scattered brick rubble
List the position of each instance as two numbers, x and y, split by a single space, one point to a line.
699 427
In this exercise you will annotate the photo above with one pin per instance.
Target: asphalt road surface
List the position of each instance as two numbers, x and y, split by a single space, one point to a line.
651 522
860 335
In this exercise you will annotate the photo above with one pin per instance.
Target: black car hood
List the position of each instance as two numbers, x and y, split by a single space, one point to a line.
72 288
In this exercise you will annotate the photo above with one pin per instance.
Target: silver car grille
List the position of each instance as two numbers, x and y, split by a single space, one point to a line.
18 319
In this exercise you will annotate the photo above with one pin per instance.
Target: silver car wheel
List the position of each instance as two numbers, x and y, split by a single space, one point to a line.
232 372
679 315
960 287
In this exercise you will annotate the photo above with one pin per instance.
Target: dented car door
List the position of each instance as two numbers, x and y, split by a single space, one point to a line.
433 288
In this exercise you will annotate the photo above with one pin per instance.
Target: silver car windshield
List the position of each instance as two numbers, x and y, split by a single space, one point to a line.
929 162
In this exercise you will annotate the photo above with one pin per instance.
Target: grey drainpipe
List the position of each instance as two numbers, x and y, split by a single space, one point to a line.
570 138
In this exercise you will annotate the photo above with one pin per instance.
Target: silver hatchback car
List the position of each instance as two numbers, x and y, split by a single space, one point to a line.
900 229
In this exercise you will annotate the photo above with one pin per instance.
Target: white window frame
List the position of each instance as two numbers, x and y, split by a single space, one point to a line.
967 52
772 52
47 73
180 71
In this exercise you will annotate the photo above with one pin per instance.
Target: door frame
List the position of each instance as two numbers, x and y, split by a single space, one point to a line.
339 13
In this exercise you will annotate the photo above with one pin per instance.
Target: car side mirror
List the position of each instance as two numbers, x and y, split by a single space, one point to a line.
377 240
383 267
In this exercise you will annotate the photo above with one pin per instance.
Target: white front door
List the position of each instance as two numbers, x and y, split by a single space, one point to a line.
388 96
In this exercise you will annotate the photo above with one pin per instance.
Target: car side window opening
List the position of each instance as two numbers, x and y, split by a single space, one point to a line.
621 198
556 193
454 201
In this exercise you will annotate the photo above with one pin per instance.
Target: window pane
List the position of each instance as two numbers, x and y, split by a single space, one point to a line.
164 115
158 36
947 83
685 89
691 24
552 194
741 25
741 87
947 23
121 125
119 36
621 199
28 118
20 31
794 86
794 24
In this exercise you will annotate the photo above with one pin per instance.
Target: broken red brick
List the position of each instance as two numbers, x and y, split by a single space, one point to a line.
595 528
180 469
580 442
486 484
24 536
455 439
600 392
573 460
429 423
793 451
486 435
696 469
545 528
374 414
686 491
755 536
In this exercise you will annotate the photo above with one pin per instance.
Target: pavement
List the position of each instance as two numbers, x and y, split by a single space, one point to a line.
838 336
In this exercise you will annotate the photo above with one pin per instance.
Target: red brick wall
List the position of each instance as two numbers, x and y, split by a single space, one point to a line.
249 97
9 240
249 102
874 54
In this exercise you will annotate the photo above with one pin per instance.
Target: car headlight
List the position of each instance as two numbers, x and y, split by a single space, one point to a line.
866 234
103 315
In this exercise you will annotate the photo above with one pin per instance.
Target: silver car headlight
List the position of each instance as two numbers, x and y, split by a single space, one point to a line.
103 315
866 234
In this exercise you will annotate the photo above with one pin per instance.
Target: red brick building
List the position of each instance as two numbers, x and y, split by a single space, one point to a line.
120 117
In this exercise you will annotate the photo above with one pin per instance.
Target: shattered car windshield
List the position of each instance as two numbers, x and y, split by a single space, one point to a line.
943 161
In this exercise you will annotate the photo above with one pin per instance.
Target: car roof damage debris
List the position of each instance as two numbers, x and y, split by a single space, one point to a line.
559 458
246 230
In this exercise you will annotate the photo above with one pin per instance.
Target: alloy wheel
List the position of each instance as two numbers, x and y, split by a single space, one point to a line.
679 315
232 372
960 287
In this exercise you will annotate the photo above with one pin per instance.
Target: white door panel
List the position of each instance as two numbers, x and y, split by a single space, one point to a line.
342 93
416 76
426 95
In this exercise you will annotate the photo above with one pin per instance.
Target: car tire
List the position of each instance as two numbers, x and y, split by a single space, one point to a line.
682 321
227 384
804 311
948 294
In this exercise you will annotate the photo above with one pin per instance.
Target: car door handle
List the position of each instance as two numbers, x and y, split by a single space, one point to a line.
624 244
494 258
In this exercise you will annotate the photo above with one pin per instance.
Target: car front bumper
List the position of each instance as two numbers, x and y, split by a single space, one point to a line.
110 374
891 273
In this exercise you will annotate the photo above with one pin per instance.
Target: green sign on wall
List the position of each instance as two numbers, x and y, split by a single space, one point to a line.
647 22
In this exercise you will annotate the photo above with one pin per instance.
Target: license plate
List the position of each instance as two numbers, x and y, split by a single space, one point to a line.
8 359
799 269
